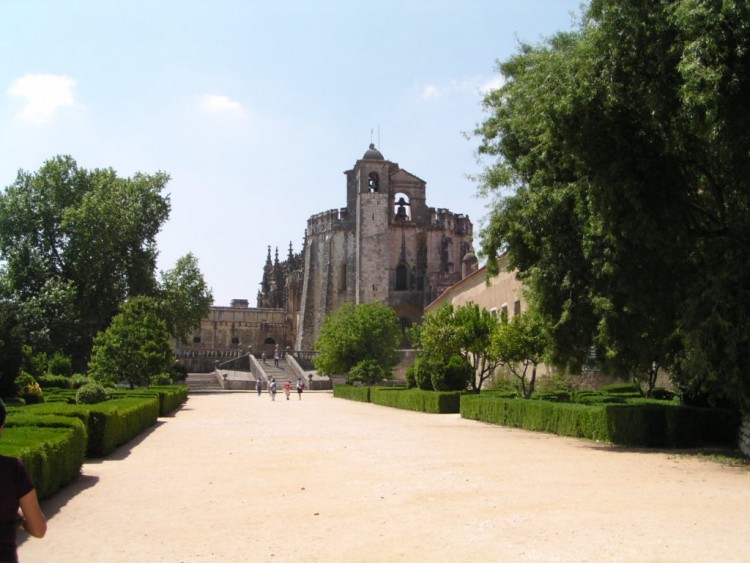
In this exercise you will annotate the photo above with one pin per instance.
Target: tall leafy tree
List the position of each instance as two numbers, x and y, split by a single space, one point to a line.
184 297
11 349
78 241
135 347
356 333
624 147
468 332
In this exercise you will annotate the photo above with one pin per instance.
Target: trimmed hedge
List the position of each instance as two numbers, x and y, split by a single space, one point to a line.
54 438
639 425
111 423
436 402
53 448
352 393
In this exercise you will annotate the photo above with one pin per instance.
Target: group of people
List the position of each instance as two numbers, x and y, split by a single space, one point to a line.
17 492
272 388
276 356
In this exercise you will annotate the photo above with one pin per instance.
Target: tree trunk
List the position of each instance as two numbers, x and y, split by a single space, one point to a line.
532 380
744 437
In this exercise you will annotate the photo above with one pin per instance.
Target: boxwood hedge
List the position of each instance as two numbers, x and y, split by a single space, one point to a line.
643 424
53 448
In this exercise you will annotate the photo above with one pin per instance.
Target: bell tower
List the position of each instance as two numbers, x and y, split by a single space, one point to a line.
371 228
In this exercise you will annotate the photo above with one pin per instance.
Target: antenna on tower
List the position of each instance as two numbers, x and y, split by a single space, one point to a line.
379 147
370 135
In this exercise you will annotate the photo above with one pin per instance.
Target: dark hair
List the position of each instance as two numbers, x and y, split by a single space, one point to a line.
3 412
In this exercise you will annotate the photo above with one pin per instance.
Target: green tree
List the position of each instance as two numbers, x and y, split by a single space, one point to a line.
466 331
11 354
624 146
354 333
522 344
135 347
184 297
78 242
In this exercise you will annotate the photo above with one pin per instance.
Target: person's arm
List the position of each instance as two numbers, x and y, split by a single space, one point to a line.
34 521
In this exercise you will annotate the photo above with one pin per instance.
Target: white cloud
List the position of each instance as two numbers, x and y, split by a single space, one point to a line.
471 85
493 83
43 95
430 91
221 105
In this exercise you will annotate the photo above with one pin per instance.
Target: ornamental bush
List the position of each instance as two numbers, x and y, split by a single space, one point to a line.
366 371
28 389
161 379
91 394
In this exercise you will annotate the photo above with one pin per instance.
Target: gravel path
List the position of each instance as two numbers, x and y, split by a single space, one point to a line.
236 477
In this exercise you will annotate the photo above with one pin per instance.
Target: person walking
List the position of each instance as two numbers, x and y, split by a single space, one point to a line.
263 356
259 386
276 358
272 389
300 387
16 492
287 389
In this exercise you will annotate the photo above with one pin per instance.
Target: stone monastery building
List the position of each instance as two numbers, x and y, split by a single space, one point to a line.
386 246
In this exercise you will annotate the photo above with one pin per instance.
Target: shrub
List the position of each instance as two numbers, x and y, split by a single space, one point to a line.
639 425
352 393
161 379
52 448
420 372
91 394
366 371
452 376
60 364
49 380
77 380
417 399
28 389
558 381
621 389
179 372
34 364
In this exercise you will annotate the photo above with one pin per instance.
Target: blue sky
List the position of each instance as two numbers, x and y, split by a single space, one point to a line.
256 108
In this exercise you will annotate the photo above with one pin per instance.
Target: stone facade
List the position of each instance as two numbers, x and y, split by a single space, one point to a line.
385 246
231 332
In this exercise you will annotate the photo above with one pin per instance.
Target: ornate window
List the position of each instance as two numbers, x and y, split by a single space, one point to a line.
402 277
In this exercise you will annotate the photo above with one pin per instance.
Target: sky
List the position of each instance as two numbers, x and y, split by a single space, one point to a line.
256 108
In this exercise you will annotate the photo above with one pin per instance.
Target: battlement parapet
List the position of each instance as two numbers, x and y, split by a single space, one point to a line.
326 221
445 219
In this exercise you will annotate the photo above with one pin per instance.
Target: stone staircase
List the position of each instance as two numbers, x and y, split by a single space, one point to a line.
203 383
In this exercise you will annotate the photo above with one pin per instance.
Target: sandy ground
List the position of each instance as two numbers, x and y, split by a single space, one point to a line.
235 477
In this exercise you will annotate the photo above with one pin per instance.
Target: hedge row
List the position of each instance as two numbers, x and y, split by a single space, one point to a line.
57 453
170 396
436 402
110 424
352 393
639 425
54 438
